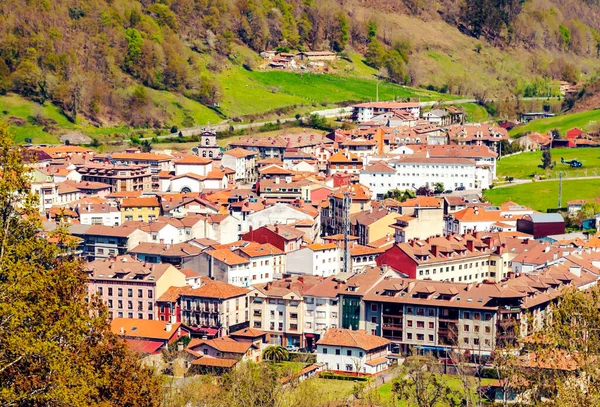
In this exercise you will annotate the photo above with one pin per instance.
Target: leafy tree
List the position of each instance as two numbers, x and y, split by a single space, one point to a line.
145 147
375 53
423 385
424 191
276 354
547 159
399 195
342 34
438 187
371 30
57 348
134 48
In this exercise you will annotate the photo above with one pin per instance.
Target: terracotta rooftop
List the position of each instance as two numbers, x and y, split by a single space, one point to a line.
355 339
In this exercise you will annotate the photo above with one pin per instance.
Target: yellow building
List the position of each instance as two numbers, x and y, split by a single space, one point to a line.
144 209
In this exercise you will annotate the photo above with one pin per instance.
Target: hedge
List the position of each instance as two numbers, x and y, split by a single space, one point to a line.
334 376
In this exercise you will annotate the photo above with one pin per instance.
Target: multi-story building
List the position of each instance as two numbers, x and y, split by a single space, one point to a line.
415 172
130 287
278 308
372 224
476 317
332 214
242 263
119 177
105 241
322 310
364 112
314 259
156 162
346 163
457 258
359 147
345 350
243 162
485 219
145 209
99 214
421 223
214 309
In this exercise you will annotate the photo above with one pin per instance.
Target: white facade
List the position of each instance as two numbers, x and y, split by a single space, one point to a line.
349 359
185 183
278 213
215 183
111 217
197 168
321 314
413 174
322 260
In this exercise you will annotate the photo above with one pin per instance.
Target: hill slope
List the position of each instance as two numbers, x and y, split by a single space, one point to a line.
158 63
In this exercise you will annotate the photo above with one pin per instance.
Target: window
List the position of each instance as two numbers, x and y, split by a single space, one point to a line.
409 310
140 292
488 316
130 292
130 315
149 293
129 305
430 338
325 351
431 312
466 315
338 352
487 330
374 320
374 307
150 306
420 324
348 352
110 304
431 325
349 368
466 328
409 323
110 292
466 341
476 328
120 304
420 311
100 291
409 336
475 341
420 337
120 292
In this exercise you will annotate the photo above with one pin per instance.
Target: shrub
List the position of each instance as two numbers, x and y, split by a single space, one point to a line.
335 376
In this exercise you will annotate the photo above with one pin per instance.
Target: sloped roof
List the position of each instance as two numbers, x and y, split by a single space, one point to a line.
354 339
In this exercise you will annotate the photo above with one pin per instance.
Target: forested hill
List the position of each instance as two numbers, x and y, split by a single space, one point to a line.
89 56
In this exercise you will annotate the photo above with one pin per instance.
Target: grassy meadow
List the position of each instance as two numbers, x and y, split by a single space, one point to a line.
526 165
543 195
583 120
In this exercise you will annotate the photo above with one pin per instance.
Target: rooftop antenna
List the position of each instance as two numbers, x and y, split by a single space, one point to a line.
346 202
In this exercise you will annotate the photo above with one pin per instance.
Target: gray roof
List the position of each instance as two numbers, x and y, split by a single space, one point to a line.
545 217
74 228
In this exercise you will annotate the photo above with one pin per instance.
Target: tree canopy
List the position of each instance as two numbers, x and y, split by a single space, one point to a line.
56 346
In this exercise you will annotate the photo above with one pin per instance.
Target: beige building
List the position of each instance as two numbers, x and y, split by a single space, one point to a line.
129 287
119 177
278 308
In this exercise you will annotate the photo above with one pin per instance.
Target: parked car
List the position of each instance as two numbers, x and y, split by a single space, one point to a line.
448 191
460 188
292 348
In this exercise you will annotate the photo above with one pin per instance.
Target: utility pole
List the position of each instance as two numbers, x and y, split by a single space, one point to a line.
560 174
346 202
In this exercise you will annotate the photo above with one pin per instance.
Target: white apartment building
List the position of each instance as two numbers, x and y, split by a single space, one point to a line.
322 310
314 259
413 173
99 214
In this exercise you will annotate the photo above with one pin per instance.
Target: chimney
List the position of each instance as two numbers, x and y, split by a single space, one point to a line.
162 241
168 327
470 245
575 270
277 228
122 331
434 250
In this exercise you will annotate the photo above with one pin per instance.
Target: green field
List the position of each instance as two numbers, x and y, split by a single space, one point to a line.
257 92
584 120
454 382
543 195
526 165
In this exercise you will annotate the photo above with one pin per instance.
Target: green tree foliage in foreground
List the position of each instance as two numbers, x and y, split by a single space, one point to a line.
56 349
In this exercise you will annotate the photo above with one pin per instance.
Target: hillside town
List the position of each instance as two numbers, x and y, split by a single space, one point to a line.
299 241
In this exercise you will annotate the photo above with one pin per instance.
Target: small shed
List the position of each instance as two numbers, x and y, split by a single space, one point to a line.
541 224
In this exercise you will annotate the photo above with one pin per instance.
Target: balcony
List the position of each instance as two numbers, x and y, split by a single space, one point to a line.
391 326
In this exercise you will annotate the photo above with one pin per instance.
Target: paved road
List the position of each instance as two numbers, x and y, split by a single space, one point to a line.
529 181
328 113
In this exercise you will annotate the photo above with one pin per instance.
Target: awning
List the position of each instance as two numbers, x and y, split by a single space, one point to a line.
309 335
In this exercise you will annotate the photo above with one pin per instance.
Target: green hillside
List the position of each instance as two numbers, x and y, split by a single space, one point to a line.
587 120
